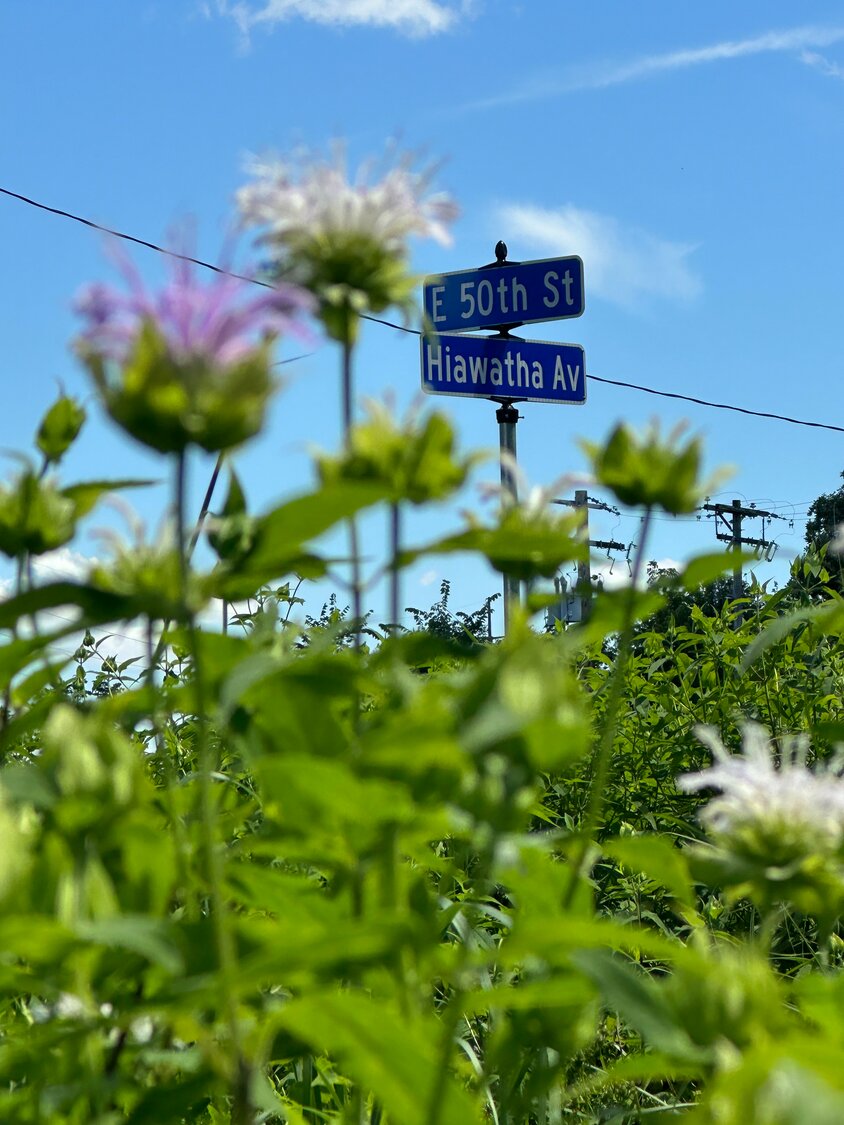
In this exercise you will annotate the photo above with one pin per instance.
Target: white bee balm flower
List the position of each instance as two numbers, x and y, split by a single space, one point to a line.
771 805
345 238
297 201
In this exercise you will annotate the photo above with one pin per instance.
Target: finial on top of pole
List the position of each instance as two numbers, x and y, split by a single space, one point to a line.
501 251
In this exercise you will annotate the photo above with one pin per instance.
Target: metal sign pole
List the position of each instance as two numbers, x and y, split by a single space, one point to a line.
507 416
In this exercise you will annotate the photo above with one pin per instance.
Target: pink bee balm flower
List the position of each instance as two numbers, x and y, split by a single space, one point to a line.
191 363
218 322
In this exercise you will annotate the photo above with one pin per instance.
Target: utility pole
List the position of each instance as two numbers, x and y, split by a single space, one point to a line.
735 530
581 505
584 569
728 517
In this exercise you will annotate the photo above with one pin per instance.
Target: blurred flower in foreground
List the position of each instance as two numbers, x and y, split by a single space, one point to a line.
144 565
650 470
412 459
190 364
779 826
836 544
345 240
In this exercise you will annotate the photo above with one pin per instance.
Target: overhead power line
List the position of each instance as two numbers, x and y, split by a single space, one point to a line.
719 405
63 214
131 238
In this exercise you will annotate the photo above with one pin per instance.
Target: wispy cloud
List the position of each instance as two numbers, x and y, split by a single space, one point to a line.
409 17
796 40
622 265
824 65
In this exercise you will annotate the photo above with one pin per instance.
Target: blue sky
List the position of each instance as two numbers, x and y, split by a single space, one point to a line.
693 156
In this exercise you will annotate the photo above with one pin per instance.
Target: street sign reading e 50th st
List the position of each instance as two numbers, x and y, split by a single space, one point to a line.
518 293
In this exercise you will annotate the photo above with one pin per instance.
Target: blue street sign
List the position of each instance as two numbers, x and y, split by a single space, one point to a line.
503 367
521 293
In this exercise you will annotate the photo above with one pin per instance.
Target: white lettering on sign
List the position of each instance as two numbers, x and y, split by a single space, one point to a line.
552 297
560 369
485 297
514 371
466 298
438 291
517 293
507 298
477 369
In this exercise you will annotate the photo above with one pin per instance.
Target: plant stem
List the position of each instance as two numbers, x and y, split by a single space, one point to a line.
206 503
5 715
602 758
395 543
354 544
223 940
168 765
449 1022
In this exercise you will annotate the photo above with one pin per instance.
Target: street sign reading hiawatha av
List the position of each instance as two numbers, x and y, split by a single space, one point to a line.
503 367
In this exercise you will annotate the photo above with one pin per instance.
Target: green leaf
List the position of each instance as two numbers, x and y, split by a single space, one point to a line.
636 996
276 543
778 630
150 938
611 610
172 1101
311 515
523 545
35 516
312 942
555 939
308 791
38 939
59 428
28 785
396 1058
706 568
86 494
28 689
641 1069
98 606
17 654
656 857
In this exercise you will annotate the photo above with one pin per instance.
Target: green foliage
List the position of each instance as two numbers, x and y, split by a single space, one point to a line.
825 516
413 462
169 404
681 595
35 517
59 429
279 875
648 471
466 629
524 543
